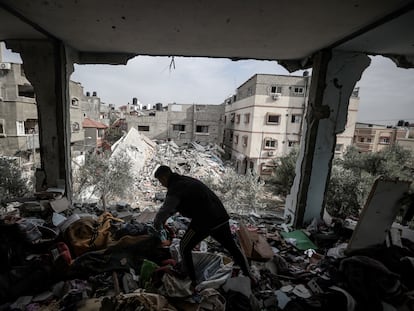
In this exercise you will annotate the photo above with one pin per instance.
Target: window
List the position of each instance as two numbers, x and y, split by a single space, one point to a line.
292 143
20 128
201 129
237 118
30 126
232 117
225 119
75 127
369 140
384 140
298 90
249 91
339 147
179 127
231 136
75 102
296 118
244 141
2 127
270 143
236 139
143 128
273 119
246 117
361 139
275 89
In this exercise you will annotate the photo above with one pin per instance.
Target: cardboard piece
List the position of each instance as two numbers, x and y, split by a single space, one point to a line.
254 245
379 213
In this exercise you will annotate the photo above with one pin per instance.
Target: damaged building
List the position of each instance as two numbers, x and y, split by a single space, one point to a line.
301 262
182 123
264 118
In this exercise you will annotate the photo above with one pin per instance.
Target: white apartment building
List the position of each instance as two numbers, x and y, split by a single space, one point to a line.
263 120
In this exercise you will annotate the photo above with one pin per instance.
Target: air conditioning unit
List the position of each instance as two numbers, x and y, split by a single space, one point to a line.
270 153
276 96
5 66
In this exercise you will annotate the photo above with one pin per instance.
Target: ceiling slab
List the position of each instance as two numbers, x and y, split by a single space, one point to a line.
274 30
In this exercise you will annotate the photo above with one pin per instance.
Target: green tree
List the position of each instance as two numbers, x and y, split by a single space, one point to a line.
284 172
105 176
353 176
12 182
347 191
239 193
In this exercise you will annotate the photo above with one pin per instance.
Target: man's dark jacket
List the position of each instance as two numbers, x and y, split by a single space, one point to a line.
192 199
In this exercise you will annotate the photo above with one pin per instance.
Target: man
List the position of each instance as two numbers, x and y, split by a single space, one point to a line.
193 199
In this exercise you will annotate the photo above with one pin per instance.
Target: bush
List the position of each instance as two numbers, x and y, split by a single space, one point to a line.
12 182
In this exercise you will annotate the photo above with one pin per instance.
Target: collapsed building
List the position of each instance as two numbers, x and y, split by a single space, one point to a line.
51 37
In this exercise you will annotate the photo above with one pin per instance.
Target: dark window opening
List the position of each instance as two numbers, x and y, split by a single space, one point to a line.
143 128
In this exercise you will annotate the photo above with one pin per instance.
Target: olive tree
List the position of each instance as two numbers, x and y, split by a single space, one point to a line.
12 182
105 176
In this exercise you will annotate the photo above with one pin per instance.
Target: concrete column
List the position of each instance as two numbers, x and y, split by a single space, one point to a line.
334 76
48 67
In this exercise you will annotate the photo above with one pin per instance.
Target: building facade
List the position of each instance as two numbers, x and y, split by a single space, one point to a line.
182 123
19 118
263 120
374 137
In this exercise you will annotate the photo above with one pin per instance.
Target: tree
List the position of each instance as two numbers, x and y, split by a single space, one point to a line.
353 176
104 176
12 183
237 192
347 191
284 172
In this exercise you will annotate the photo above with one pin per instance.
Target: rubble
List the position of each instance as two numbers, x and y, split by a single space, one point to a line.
60 257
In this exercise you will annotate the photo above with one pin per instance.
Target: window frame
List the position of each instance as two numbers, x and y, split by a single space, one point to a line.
246 118
294 117
20 131
181 127
273 115
201 127
295 90
143 128
277 89
238 118
3 127
270 140
245 140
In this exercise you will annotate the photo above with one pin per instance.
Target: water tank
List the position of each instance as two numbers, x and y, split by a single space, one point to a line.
158 106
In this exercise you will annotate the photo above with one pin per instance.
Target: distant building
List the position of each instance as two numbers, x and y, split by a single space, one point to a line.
374 137
263 120
18 112
19 118
182 123
94 133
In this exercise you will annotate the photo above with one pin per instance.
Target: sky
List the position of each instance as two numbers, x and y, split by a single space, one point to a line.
386 91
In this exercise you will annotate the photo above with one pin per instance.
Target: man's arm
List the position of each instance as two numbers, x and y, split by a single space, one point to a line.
167 209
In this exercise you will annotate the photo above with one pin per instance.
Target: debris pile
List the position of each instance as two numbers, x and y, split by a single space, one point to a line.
58 256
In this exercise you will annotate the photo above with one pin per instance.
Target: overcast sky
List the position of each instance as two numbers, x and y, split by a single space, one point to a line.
386 92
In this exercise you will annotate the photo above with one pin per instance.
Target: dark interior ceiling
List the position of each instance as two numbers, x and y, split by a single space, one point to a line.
268 29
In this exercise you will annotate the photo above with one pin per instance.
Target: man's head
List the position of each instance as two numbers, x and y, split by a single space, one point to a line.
163 174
